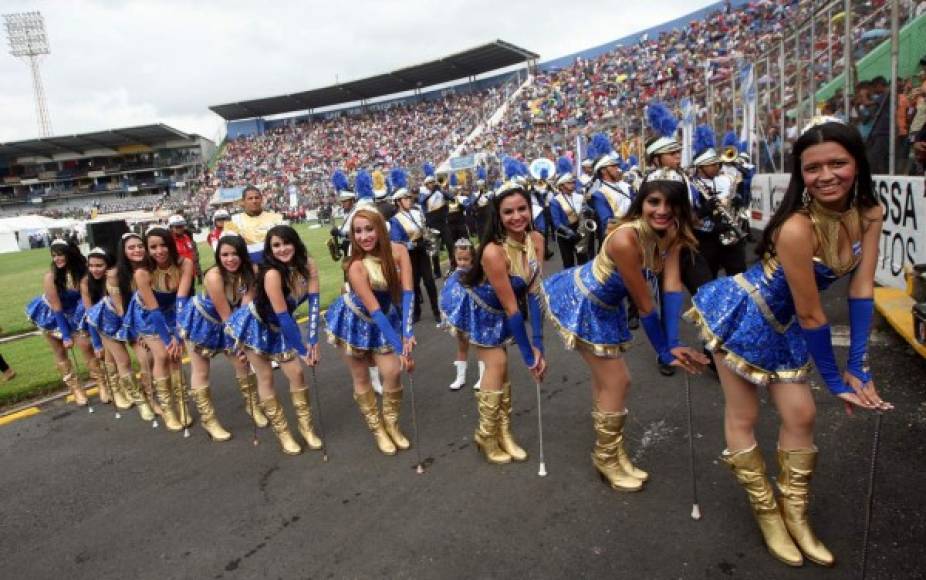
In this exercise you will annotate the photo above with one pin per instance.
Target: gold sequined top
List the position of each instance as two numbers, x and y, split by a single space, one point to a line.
653 247
374 267
166 279
826 229
521 258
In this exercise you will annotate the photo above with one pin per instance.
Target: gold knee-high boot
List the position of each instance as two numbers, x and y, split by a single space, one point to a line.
248 387
147 390
163 392
392 404
505 437
622 456
609 441
96 373
304 418
133 390
183 410
280 427
486 435
370 411
70 378
797 467
120 397
749 469
207 417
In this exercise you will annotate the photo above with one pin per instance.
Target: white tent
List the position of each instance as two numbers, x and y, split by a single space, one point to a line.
15 231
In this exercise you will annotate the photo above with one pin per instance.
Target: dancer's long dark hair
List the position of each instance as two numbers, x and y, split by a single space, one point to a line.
96 287
676 193
246 269
493 231
299 264
861 195
124 269
75 265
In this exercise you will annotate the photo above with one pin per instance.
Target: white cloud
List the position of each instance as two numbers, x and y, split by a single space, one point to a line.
130 63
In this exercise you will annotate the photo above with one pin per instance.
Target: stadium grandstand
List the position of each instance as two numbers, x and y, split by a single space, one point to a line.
117 170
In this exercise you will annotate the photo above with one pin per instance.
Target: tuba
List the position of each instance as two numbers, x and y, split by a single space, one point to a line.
538 165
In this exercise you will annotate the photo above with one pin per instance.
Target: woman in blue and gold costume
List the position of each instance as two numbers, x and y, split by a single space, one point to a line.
227 285
483 306
163 282
93 293
58 312
586 304
266 331
107 317
764 325
373 324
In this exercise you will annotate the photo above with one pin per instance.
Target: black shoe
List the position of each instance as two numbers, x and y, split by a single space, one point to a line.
416 317
666 370
633 321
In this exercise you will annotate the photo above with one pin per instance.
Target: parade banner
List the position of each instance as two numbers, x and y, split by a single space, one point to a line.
903 237
464 162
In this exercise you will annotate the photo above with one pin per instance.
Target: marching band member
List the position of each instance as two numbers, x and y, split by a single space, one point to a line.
108 318
163 281
266 331
465 254
587 175
764 325
568 210
219 219
254 223
228 285
407 228
434 205
456 210
712 187
587 307
340 236
481 205
610 197
381 198
59 310
482 306
92 292
373 324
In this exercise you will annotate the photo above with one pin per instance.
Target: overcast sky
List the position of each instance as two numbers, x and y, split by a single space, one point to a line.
123 63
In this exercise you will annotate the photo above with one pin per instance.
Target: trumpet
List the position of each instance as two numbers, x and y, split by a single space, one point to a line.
729 154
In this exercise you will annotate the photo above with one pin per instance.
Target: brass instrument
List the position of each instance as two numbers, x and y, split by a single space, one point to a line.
431 240
729 154
587 227
727 224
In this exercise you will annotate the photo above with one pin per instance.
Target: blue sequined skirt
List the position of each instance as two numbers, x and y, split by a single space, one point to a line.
349 326
753 343
104 318
137 321
203 330
249 331
581 317
476 317
40 314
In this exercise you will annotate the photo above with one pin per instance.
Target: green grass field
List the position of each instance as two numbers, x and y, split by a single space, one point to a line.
21 280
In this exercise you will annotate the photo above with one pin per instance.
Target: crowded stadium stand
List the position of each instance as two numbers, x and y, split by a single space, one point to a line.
115 170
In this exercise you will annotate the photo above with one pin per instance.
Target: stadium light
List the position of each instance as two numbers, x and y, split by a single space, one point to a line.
25 32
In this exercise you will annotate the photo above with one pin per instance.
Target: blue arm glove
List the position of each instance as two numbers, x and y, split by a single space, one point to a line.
388 332
861 312
535 312
63 325
160 325
95 339
314 310
408 298
657 336
291 334
672 309
516 327
820 344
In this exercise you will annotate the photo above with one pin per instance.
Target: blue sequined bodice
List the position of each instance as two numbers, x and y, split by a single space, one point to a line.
69 299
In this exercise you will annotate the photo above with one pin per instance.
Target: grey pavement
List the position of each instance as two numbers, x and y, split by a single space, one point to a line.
89 496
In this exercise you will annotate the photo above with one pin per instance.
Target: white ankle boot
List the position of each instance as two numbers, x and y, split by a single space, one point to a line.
482 371
460 381
374 378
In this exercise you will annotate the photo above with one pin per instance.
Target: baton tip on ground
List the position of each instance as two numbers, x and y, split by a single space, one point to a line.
696 512
420 469
542 472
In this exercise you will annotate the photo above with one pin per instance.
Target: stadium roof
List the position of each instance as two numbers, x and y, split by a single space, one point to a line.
147 135
472 62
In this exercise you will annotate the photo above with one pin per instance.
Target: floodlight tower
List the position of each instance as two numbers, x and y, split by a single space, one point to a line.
28 42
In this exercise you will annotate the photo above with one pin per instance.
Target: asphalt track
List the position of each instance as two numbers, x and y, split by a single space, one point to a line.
89 496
